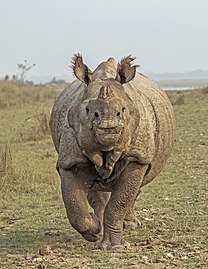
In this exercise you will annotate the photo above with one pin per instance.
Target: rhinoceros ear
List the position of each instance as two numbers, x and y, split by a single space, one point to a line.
80 70
125 70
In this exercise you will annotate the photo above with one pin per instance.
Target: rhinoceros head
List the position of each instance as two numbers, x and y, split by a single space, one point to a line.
104 112
106 115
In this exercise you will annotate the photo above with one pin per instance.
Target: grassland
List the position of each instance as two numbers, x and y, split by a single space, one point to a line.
34 231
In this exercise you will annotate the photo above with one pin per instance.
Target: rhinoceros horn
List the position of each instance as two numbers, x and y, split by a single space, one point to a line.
106 93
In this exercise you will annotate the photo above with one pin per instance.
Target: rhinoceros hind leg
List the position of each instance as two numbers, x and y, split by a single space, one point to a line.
98 201
130 220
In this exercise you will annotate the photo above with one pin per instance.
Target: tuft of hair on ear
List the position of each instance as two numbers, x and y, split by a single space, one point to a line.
125 70
80 70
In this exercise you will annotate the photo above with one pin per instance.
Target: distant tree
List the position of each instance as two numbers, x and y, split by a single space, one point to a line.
57 81
53 80
6 77
23 69
14 77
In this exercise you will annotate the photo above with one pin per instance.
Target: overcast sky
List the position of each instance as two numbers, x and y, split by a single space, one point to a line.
165 36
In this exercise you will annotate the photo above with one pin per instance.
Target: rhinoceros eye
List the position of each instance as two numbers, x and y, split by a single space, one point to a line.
87 110
123 109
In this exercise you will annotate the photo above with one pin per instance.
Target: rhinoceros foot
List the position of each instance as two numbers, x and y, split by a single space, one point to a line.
105 244
93 236
89 236
124 245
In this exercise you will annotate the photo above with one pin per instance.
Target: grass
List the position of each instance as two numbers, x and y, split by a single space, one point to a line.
172 208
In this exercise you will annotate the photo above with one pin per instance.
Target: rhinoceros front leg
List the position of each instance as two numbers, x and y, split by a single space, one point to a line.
74 191
123 196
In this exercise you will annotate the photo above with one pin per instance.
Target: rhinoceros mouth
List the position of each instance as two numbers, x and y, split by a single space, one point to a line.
108 131
107 136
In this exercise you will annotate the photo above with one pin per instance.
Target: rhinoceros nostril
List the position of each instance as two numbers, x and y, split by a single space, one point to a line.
87 110
118 114
96 115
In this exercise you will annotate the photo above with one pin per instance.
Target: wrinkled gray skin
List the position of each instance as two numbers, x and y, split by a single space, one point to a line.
113 130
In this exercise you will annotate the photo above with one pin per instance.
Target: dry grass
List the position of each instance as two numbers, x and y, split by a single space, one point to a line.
172 209
19 95
36 127
6 167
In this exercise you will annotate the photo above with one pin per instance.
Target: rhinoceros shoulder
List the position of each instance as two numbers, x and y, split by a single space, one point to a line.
64 102
69 152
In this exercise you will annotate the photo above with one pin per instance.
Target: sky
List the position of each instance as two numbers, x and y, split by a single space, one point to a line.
165 36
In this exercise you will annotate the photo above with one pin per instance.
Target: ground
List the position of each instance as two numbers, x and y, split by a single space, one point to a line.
34 230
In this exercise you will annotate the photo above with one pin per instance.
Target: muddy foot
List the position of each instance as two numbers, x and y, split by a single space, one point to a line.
105 244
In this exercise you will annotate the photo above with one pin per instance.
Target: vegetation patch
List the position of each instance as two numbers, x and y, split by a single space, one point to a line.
34 230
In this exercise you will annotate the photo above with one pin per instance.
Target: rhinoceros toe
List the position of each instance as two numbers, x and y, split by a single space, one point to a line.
105 244
89 236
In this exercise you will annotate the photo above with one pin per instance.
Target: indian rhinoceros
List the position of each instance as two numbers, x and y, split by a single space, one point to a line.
113 129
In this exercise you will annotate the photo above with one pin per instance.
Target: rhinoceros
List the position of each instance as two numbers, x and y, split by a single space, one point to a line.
113 130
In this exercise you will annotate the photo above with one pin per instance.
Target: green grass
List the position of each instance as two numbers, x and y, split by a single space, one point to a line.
172 208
